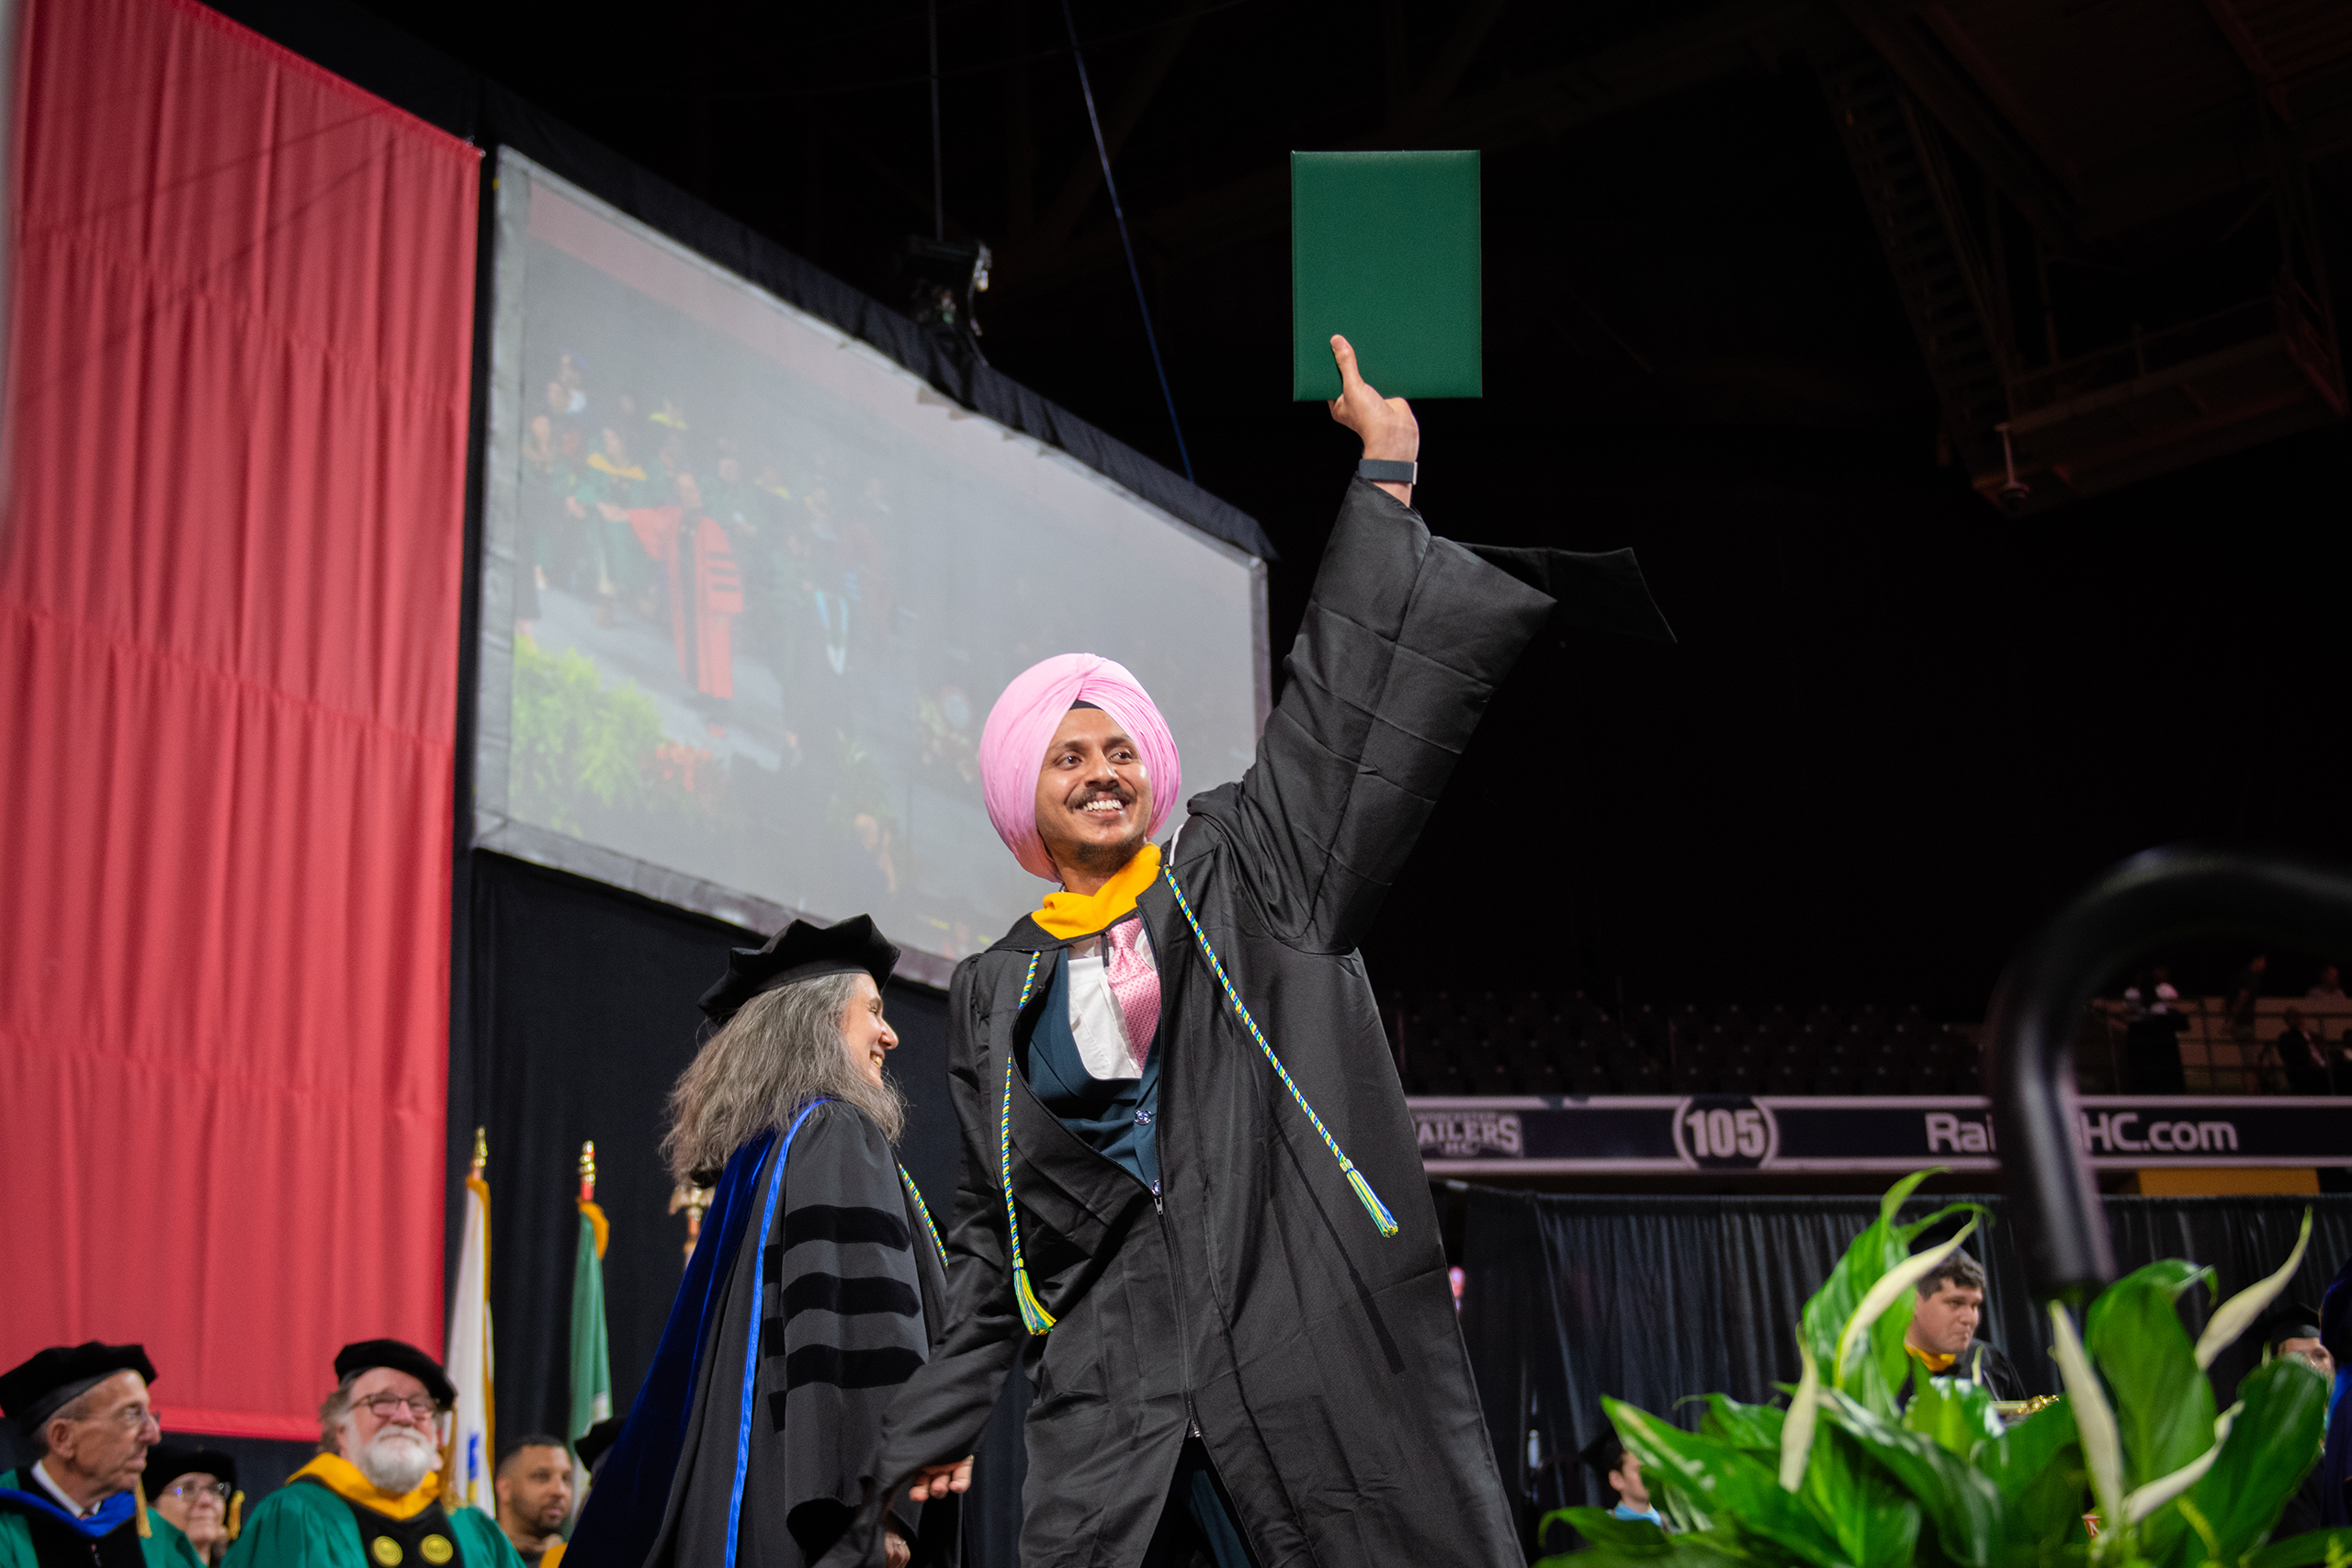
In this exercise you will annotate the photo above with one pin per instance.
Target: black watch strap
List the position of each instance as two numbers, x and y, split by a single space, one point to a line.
1382 471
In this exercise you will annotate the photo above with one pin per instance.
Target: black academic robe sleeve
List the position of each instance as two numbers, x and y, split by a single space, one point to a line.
1390 674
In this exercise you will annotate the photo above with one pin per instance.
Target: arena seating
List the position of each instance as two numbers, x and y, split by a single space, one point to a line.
1536 1041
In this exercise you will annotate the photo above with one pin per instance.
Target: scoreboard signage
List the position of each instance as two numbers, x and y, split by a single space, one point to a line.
1731 1133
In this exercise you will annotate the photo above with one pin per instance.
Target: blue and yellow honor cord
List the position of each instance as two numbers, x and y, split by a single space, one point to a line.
924 1210
1033 1311
1370 1199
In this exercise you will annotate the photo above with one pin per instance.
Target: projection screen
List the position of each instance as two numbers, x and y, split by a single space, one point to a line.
749 587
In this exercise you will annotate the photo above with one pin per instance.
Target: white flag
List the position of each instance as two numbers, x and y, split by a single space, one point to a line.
466 1464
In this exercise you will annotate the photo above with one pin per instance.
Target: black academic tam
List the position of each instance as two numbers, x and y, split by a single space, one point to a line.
38 1387
1253 1294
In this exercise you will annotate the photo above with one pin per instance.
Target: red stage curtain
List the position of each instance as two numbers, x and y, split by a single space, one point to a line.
229 614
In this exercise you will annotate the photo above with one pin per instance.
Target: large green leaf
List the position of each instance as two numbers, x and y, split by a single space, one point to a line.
2163 1407
1602 1527
1876 1522
2038 1465
1753 1428
2296 1551
2027 1450
2271 1447
1679 1551
1961 1501
1957 1414
2171 1275
1720 1482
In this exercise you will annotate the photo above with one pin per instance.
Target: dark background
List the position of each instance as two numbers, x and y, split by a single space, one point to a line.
1900 726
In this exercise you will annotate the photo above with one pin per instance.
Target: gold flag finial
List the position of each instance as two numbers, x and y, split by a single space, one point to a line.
482 1152
588 1171
693 1201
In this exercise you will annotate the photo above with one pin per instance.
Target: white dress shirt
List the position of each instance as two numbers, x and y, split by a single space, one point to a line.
1095 1016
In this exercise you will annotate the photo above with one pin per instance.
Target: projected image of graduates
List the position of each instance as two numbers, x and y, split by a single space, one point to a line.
759 586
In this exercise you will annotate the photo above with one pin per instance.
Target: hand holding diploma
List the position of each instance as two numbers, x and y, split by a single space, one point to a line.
1385 426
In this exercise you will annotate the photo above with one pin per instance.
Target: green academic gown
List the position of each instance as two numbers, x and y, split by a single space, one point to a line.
163 1547
302 1526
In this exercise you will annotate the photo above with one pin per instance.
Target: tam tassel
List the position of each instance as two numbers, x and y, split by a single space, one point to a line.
1371 1204
236 1514
138 1493
1033 1311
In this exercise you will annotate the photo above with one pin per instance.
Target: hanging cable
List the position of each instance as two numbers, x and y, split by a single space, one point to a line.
1134 272
938 184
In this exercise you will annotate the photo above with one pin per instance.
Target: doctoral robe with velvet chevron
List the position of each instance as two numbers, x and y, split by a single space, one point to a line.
850 1289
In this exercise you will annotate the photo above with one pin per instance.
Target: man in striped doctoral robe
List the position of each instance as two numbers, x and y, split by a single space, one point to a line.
815 1291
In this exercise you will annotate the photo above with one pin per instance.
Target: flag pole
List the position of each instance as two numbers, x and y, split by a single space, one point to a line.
592 1364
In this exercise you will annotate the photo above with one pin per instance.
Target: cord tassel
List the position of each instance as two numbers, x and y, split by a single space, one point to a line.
1033 1311
1370 1199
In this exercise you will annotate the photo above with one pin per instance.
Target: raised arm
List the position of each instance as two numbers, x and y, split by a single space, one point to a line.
1405 639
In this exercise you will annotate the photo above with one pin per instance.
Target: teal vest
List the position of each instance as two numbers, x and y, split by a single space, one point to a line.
1115 1118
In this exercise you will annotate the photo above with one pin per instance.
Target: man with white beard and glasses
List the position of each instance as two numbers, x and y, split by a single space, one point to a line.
372 1498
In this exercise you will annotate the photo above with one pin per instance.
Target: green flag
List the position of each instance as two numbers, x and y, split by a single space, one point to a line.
591 1362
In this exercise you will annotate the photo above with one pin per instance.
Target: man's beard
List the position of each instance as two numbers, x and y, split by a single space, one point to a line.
396 1459
1103 860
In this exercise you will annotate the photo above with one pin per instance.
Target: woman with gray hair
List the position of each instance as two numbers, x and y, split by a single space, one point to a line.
816 1289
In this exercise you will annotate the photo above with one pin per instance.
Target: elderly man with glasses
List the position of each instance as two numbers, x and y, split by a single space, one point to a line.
372 1498
83 1411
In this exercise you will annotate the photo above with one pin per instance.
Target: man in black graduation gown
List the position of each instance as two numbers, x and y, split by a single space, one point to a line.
813 1293
1946 1309
85 1412
1230 1293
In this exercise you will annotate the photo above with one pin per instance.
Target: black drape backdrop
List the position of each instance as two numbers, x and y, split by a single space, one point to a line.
1653 1300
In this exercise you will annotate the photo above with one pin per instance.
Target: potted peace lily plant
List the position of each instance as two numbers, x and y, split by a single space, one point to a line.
1842 1478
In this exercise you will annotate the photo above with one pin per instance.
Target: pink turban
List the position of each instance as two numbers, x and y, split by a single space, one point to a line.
1021 725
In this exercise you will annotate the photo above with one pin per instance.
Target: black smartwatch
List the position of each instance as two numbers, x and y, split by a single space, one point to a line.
1384 470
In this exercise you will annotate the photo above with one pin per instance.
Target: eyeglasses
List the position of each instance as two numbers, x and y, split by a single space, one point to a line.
192 1490
421 1406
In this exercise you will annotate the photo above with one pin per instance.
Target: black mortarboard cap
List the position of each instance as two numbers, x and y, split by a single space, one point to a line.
35 1389
2289 1320
167 1462
362 1355
1604 1453
592 1444
801 952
